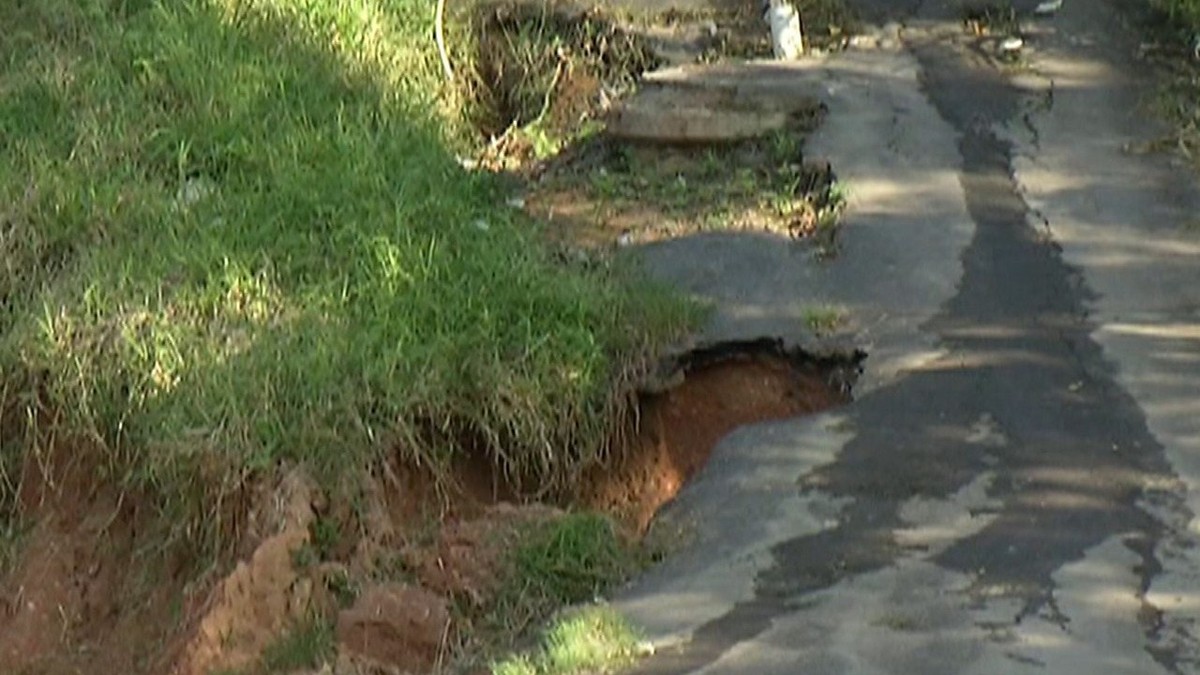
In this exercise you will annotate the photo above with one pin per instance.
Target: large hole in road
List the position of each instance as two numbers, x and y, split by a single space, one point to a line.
716 390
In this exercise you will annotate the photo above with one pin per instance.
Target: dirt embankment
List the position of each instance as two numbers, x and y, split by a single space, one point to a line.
680 427
395 569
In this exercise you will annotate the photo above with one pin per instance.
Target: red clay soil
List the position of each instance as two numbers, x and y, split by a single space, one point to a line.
76 603
679 429
70 596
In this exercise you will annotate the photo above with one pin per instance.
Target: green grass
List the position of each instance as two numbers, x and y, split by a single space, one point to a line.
824 319
565 561
1184 12
593 640
1177 103
325 299
572 559
306 646
1175 26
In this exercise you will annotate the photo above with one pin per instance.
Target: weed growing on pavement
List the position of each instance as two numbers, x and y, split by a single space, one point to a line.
824 319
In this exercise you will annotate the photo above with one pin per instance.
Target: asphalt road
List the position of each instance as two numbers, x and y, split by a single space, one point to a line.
1014 488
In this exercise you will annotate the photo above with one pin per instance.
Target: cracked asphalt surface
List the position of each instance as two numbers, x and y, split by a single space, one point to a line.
1015 487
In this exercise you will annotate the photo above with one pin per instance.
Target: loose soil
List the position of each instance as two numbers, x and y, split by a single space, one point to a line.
612 192
681 427
74 592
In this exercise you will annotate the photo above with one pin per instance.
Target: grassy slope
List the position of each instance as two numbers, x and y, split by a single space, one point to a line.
329 294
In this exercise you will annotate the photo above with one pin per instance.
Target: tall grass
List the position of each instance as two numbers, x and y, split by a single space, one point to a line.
231 234
1184 12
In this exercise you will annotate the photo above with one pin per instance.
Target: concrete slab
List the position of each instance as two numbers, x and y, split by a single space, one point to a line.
722 104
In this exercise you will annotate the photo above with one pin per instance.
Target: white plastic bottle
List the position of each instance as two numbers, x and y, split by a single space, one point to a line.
786 37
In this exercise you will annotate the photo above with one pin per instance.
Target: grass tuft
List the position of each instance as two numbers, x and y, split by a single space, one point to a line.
572 559
824 319
307 646
565 561
593 640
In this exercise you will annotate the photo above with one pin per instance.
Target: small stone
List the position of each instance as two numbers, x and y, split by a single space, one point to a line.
1012 44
